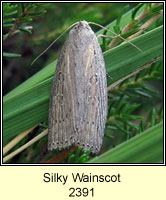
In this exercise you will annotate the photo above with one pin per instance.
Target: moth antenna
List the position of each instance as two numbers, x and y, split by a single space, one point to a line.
53 43
116 35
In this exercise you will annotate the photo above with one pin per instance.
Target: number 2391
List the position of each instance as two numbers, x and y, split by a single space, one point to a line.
78 192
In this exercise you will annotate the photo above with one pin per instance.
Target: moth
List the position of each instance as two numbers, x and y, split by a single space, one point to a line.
78 101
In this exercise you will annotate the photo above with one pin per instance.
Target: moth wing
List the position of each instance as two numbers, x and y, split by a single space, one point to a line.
92 98
61 128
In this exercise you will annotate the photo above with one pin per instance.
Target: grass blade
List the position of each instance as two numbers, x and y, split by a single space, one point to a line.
144 148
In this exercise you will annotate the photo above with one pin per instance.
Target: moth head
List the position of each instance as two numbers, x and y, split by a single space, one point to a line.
83 24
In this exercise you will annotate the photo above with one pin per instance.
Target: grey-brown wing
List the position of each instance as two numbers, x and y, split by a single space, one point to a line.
91 97
61 123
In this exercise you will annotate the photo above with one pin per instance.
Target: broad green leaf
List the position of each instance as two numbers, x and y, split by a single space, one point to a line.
144 148
26 109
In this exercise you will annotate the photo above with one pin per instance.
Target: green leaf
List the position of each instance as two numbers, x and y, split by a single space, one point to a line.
77 154
10 13
11 55
161 114
8 20
141 127
136 10
78 157
146 147
117 26
157 8
7 7
132 125
37 13
8 25
153 115
26 109
31 7
128 116
139 92
132 108
124 21
25 29
25 19
71 158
